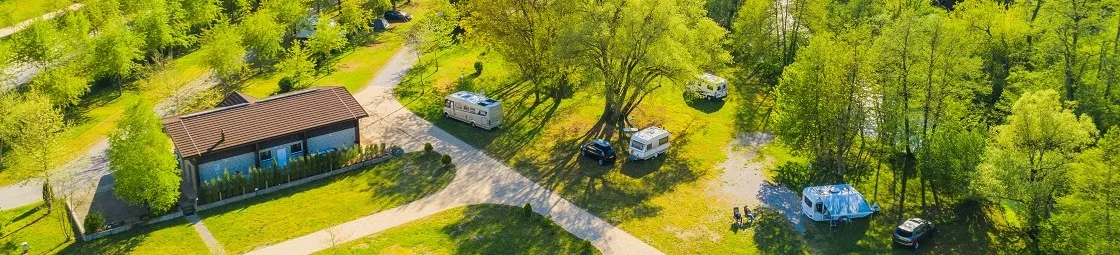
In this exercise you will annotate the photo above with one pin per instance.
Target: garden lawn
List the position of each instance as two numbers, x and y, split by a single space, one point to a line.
97 115
175 236
44 232
353 69
15 11
668 202
475 229
301 210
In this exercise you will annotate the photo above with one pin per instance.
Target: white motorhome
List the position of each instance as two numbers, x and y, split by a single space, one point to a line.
709 86
834 202
475 109
649 143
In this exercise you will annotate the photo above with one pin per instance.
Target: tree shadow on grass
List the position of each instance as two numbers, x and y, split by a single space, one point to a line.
123 243
498 229
420 174
774 234
703 105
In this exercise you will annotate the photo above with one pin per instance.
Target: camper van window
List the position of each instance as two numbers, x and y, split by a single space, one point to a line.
819 208
637 145
649 147
483 113
808 202
447 103
664 140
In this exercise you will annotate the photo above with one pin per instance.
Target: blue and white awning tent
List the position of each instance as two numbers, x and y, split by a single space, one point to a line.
840 201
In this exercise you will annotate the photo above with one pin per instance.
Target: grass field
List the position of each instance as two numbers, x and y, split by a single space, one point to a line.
667 202
298 211
170 237
476 229
673 203
16 11
44 232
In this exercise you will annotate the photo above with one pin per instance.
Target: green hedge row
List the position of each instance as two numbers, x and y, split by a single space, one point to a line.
233 184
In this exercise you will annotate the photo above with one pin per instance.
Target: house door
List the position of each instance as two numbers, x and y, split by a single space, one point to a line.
282 157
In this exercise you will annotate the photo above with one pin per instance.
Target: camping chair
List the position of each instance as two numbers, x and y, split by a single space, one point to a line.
749 213
738 218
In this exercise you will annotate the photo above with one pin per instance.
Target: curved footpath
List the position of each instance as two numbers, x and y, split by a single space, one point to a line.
479 179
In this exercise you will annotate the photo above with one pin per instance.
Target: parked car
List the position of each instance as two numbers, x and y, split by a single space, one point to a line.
909 232
599 150
398 16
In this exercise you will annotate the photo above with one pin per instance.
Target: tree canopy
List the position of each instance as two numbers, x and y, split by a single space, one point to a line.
140 155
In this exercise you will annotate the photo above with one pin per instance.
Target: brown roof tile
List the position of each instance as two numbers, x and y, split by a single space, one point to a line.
256 120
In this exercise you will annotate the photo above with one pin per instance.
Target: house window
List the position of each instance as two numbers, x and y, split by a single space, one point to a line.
296 148
265 156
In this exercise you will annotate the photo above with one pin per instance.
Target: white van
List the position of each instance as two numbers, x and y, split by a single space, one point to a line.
649 143
474 109
709 86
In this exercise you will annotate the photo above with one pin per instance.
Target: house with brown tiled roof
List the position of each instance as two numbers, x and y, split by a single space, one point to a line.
243 132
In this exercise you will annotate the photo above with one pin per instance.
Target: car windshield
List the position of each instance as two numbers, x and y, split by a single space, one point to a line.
902 232
606 149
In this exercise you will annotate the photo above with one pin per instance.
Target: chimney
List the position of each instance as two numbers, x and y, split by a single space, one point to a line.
223 135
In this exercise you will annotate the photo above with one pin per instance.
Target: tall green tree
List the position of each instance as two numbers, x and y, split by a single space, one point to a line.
297 65
163 26
200 14
116 52
38 44
64 85
632 48
223 51
262 37
328 38
527 36
1086 221
142 160
34 144
820 109
1031 155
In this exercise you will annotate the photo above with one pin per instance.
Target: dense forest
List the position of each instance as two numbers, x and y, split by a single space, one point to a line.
974 100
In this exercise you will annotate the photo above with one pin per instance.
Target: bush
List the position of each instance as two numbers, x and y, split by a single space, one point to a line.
527 211
477 68
95 222
428 148
446 160
287 84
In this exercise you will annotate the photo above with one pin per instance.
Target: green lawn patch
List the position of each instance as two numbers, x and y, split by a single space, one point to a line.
44 232
170 237
476 229
298 211
668 202
15 11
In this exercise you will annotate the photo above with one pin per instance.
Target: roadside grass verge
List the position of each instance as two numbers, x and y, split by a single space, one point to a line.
44 232
170 237
301 210
476 229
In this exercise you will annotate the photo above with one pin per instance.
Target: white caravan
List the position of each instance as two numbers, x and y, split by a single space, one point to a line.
475 109
834 202
648 143
709 86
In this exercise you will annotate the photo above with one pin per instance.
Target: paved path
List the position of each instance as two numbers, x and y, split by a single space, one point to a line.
5 32
87 178
479 179
207 237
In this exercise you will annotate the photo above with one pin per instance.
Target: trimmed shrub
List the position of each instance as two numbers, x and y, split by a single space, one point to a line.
287 84
446 160
428 148
95 222
527 211
477 68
